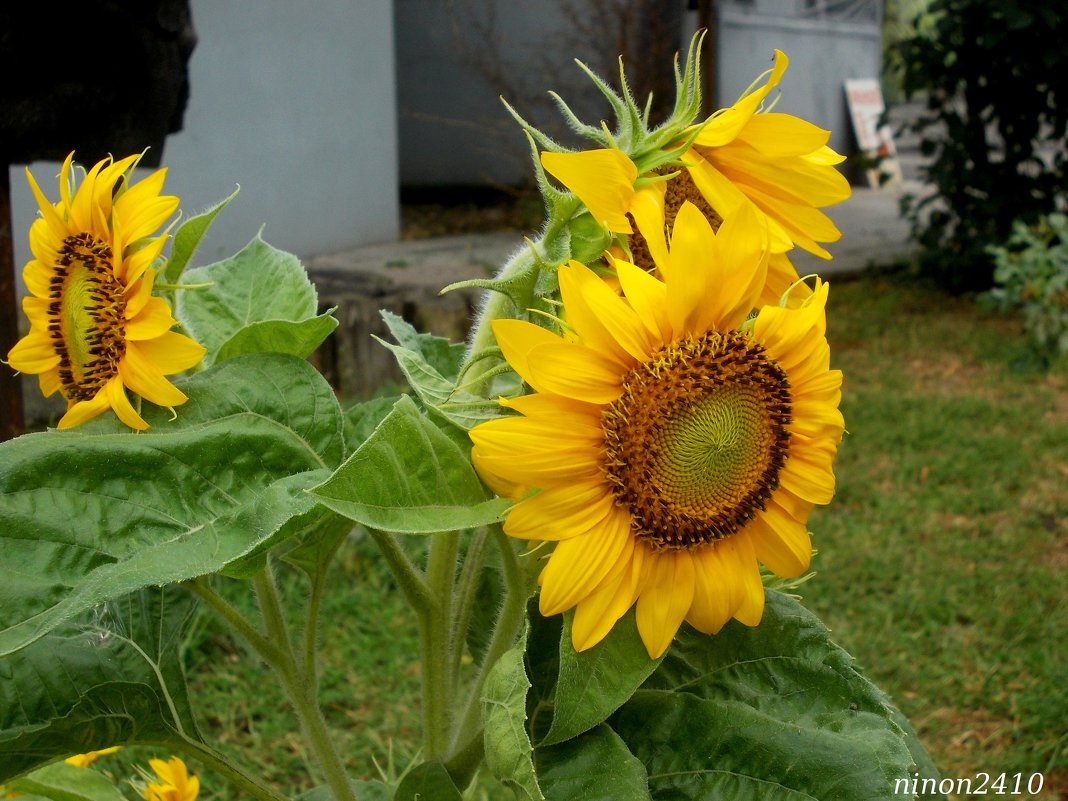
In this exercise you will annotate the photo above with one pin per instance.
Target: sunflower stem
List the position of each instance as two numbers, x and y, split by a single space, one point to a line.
466 588
435 626
498 305
466 751
410 579
298 687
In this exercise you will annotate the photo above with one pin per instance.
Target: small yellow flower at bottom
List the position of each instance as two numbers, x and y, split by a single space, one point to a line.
85 760
175 783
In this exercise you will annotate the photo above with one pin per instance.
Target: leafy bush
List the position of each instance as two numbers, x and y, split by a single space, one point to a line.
1032 275
995 127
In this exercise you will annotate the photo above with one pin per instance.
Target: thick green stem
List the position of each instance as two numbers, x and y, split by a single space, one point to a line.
299 689
466 751
411 581
466 589
437 645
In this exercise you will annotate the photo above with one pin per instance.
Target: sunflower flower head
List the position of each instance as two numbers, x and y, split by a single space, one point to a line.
778 164
96 329
677 435
173 782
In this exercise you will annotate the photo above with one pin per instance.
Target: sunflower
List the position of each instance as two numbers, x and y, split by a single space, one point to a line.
175 784
96 330
776 163
673 438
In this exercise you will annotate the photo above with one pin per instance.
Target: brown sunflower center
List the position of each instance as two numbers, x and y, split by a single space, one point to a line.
679 189
86 316
695 443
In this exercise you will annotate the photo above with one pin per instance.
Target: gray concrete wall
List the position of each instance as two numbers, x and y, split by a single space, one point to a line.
456 59
823 54
294 101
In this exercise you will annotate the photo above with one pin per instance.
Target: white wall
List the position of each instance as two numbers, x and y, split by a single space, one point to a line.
293 100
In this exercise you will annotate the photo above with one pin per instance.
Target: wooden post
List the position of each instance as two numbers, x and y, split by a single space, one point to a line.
11 415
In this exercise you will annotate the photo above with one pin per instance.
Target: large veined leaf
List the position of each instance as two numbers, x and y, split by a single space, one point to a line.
772 713
111 676
187 238
593 684
431 364
409 477
776 712
259 299
425 781
63 782
87 517
509 754
593 767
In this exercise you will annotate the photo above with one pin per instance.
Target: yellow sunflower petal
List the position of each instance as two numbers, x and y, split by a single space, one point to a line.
691 271
81 411
562 512
712 604
172 352
781 276
578 565
34 353
740 267
781 542
647 209
57 226
794 181
143 378
665 600
808 471
151 321
575 371
777 135
120 403
602 179
516 339
596 614
602 318
49 382
740 558
648 297
726 125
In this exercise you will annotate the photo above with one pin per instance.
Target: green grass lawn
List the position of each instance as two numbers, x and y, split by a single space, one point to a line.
941 563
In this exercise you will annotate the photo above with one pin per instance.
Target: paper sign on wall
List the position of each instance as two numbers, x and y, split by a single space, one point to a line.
876 142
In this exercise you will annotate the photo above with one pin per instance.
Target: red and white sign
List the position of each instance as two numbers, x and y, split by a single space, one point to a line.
865 99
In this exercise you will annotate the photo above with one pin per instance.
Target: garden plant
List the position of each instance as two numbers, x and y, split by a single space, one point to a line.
613 478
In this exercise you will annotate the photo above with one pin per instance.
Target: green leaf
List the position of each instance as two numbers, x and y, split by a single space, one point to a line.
443 356
297 338
593 684
63 782
504 715
315 539
112 676
427 782
86 517
409 477
187 239
257 285
776 713
430 365
362 419
593 767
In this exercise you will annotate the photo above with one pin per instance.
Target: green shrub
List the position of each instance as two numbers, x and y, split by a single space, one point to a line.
995 127
1031 274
